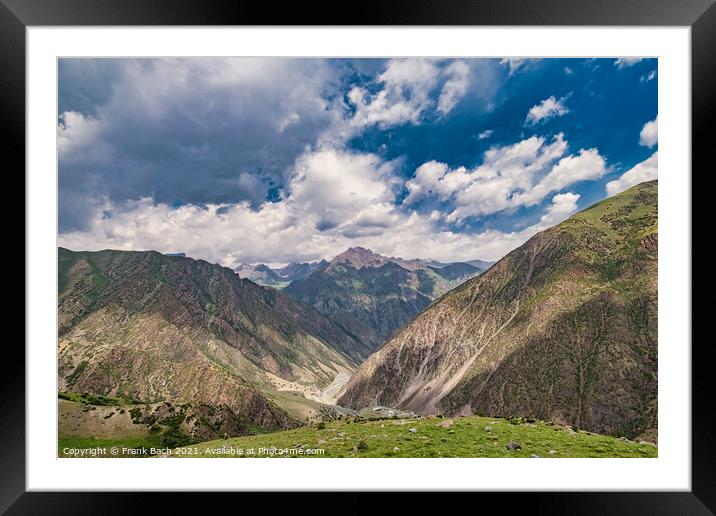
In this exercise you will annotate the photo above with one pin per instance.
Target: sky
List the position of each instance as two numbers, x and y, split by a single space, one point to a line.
275 160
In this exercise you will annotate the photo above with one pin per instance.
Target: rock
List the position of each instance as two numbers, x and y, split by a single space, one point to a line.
624 439
552 452
534 456
512 445
446 423
412 430
396 449
488 429
321 441
465 410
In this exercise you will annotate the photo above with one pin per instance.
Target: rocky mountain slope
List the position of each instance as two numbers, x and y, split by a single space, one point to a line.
564 328
281 277
371 295
149 327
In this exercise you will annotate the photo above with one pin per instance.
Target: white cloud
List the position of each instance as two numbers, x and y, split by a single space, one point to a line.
516 64
339 187
649 135
407 85
584 166
455 87
624 62
648 77
563 205
647 170
548 108
350 196
485 134
521 174
77 138
188 129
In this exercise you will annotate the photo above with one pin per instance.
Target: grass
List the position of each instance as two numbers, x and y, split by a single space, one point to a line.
472 436
94 399
66 446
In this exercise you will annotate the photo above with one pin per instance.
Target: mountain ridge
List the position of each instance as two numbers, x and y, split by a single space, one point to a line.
548 331
372 295
142 325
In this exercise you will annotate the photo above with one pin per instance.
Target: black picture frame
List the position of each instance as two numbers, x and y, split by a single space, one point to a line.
700 15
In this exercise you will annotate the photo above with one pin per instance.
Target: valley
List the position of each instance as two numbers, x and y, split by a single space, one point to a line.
553 347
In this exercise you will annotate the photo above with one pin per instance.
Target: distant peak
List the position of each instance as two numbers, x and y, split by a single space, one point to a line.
360 257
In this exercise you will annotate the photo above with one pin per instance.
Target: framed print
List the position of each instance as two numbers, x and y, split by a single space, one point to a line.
441 249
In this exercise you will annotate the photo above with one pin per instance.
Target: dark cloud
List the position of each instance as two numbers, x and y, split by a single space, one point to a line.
186 130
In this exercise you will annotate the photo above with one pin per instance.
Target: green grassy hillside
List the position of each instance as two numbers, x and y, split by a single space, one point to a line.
471 436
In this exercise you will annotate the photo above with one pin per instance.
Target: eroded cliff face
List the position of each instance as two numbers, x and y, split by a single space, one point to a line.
153 328
563 328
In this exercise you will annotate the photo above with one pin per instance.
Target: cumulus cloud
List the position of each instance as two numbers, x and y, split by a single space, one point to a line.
625 62
228 130
350 196
340 188
187 130
647 170
405 94
586 165
649 135
563 205
248 160
77 138
549 108
521 174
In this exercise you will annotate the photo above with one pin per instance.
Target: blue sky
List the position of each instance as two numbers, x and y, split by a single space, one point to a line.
277 160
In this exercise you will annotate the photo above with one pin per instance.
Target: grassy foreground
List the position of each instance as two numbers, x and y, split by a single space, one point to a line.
472 436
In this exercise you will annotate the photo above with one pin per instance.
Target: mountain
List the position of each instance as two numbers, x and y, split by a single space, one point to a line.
359 257
149 327
258 273
457 271
278 278
563 328
480 264
371 295
296 270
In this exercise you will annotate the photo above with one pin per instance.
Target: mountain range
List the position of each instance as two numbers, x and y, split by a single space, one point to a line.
149 327
371 296
563 328
264 275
